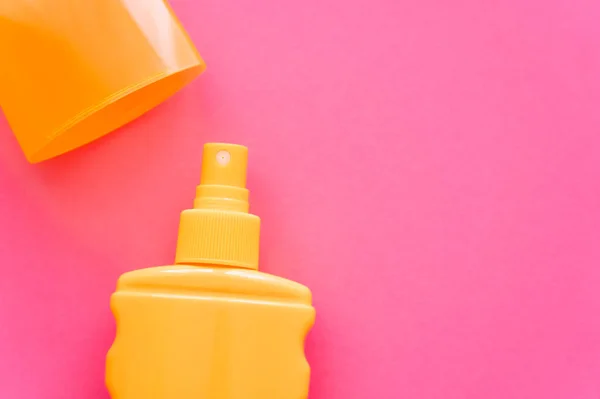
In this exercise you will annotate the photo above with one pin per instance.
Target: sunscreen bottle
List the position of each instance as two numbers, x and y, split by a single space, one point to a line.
211 326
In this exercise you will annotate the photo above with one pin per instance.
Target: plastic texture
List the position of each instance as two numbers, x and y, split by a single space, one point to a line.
72 71
211 326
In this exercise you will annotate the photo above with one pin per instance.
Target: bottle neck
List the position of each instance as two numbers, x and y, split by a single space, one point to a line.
218 237
225 198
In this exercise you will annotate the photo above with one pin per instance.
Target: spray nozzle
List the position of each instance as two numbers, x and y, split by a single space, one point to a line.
219 230
223 181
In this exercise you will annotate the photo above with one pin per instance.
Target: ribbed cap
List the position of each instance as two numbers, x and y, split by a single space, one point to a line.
219 230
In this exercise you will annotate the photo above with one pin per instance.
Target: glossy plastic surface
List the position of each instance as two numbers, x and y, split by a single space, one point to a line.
72 71
191 332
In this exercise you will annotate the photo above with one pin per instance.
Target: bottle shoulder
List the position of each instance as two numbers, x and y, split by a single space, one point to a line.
183 279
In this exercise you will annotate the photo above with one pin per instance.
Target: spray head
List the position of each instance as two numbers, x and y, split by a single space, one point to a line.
219 230
223 180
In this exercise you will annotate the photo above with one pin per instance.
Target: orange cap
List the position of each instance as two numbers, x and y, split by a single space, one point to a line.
219 230
73 71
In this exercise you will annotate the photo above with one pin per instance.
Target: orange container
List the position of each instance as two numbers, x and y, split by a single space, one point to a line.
72 71
211 326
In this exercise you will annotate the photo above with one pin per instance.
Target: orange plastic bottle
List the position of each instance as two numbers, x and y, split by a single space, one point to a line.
211 326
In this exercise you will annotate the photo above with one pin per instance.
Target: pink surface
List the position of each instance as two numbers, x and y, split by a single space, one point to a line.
430 169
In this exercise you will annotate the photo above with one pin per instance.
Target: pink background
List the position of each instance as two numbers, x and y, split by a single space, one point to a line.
431 169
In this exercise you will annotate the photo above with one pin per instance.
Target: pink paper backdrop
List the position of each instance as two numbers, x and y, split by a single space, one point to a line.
430 169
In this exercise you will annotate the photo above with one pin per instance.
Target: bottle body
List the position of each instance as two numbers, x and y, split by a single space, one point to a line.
191 332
